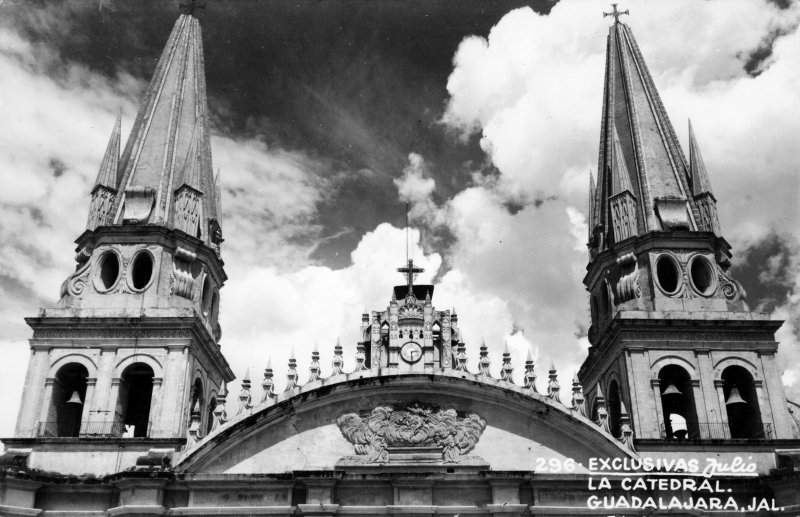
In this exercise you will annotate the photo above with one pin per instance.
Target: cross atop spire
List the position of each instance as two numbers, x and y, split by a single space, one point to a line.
615 13
410 272
189 6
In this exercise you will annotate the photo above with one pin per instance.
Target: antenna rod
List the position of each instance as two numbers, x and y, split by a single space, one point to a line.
407 237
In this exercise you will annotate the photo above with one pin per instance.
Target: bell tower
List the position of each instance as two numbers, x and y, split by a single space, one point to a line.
672 337
133 343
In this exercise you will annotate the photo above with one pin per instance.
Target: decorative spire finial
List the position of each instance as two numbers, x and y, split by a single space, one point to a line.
506 370
461 357
314 369
291 375
530 376
616 14
484 362
220 415
245 398
552 385
338 362
578 401
268 384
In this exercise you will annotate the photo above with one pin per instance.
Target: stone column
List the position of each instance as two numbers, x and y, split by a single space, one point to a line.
782 426
34 397
764 406
723 413
88 404
155 405
699 409
46 406
662 419
706 374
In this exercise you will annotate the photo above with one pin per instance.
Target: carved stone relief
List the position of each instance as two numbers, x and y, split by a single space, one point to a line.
385 431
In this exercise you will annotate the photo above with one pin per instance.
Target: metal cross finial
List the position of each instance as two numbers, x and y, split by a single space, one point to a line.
616 14
189 6
410 272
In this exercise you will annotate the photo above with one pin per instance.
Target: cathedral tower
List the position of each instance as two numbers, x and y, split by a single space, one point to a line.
132 345
672 337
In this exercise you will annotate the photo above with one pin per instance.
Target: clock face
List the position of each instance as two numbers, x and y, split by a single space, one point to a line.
411 352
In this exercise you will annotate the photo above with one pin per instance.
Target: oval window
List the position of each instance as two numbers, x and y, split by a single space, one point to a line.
141 270
109 270
206 297
667 274
701 273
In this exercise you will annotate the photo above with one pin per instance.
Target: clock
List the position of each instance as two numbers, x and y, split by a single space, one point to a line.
411 352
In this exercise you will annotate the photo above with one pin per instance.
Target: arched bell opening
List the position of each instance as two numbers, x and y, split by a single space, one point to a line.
614 408
66 403
212 405
198 400
133 406
741 404
677 403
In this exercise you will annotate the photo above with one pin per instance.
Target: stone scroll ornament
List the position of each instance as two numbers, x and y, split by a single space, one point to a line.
373 435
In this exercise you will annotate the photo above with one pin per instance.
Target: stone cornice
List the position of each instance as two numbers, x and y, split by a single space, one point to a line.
159 326
634 330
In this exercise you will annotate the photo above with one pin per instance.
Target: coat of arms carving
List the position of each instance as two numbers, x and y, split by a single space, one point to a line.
386 430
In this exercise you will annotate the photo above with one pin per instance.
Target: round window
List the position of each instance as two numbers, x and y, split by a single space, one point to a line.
141 270
107 271
667 274
701 274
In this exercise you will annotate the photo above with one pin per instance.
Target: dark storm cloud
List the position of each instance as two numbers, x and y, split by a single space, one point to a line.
357 84
767 270
757 60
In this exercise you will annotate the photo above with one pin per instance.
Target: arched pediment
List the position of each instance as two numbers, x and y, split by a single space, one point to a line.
366 419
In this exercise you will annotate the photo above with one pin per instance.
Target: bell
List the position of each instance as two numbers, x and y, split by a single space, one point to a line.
734 397
671 390
75 399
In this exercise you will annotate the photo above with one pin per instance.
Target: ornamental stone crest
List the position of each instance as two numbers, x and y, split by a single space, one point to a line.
386 432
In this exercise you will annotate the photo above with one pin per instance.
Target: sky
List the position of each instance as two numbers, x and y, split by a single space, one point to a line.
329 116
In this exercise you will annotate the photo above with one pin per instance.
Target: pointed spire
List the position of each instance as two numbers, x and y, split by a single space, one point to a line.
314 368
268 385
637 136
291 375
338 361
701 187
553 387
173 114
107 176
700 182
506 371
530 375
104 191
484 362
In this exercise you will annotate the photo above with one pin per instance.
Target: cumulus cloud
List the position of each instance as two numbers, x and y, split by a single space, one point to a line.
57 120
532 92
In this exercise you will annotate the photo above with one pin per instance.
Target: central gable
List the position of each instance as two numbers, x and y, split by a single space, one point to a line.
402 422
